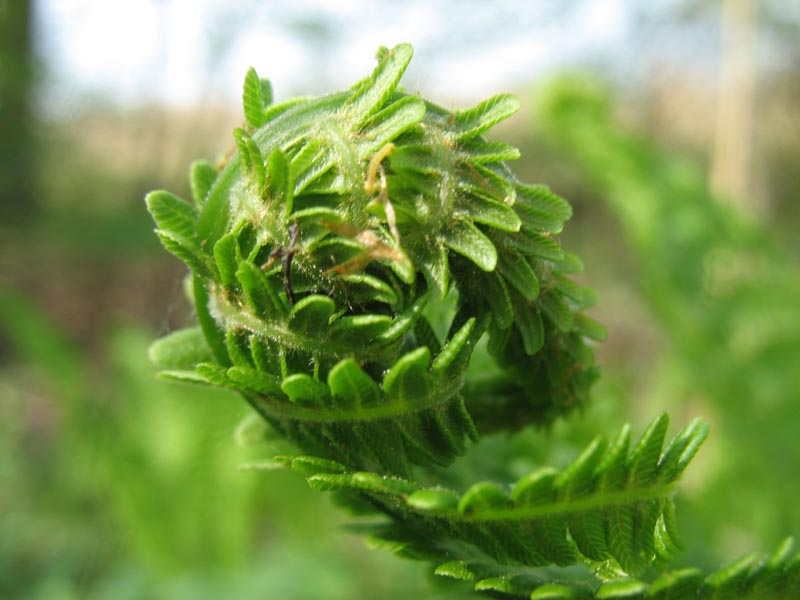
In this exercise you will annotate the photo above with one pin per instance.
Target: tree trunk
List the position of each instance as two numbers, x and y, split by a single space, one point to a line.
16 69
732 159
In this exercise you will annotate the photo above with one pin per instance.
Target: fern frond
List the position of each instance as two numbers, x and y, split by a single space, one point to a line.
318 247
608 505
347 260
776 577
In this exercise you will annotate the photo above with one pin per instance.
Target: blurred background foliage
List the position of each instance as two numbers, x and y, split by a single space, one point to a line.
672 127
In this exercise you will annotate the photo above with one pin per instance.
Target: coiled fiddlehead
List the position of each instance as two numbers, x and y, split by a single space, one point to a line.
321 250
346 260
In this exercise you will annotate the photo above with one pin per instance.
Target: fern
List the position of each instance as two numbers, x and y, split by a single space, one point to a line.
776 577
324 255
611 505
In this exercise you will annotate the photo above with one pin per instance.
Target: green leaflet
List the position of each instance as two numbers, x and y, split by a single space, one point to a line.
540 198
612 467
227 256
311 465
405 321
569 264
484 116
556 591
266 92
513 584
535 220
529 322
279 186
419 159
372 93
211 330
492 179
433 500
311 315
488 211
237 343
251 158
535 244
644 459
676 585
456 351
479 151
301 388
436 270
681 450
496 294
331 252
408 378
181 349
308 165
466 239
589 328
256 96
366 288
258 292
351 386
729 580
214 217
575 293
183 376
457 569
359 329
482 497
173 216
557 311
518 272
264 356
256 380
620 590
536 488
186 250
385 126
202 175
215 374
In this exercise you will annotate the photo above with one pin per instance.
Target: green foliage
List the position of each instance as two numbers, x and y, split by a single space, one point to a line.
610 507
127 472
140 494
326 255
723 291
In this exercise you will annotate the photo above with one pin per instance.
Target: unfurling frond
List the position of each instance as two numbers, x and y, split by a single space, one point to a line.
613 504
322 249
348 260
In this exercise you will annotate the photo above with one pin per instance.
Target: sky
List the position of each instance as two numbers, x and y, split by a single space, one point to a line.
183 52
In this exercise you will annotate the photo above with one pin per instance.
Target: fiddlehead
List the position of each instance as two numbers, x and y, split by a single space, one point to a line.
320 252
347 260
